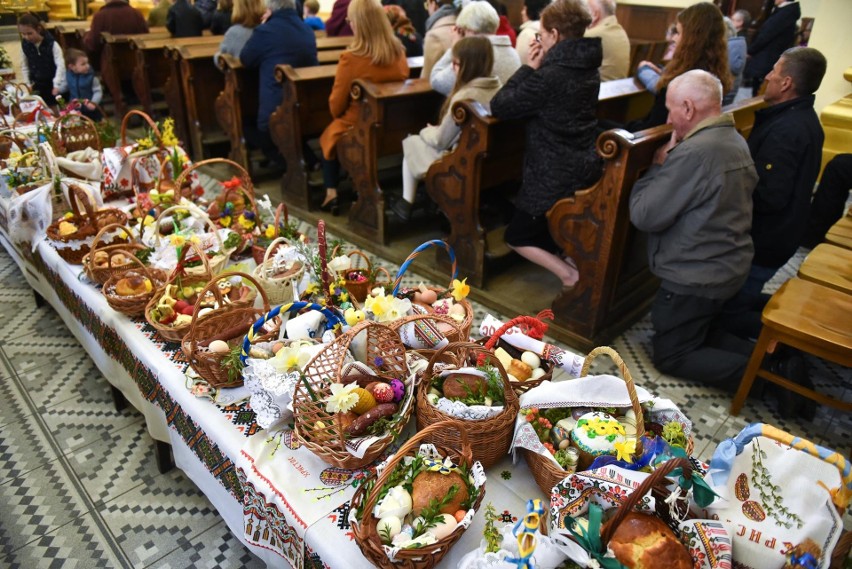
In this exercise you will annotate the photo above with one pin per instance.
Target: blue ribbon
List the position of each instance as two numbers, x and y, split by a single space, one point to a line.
331 320
727 451
805 560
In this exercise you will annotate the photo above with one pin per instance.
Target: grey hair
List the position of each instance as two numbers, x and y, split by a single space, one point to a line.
478 17
704 88
729 26
607 7
274 5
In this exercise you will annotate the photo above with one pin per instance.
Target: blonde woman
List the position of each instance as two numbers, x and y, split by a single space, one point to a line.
376 55
245 17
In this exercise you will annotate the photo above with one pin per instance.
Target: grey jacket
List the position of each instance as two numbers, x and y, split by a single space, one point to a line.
696 209
506 62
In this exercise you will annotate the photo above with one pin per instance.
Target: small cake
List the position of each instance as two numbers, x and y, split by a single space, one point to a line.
643 541
596 434
133 285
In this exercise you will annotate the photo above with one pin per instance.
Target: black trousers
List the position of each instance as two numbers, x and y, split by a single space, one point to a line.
830 199
689 343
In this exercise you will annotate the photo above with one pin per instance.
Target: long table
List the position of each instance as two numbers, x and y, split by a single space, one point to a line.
280 500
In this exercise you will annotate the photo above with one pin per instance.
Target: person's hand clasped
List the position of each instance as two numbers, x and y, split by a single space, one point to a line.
535 54
55 91
663 151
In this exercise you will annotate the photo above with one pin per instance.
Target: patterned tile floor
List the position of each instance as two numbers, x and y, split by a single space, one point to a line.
79 488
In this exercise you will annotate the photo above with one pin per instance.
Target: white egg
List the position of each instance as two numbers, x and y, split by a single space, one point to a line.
531 359
432 398
537 373
219 347
389 526
513 378
444 528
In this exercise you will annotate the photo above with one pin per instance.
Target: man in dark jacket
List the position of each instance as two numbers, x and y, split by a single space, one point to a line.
184 21
777 33
116 17
283 38
786 145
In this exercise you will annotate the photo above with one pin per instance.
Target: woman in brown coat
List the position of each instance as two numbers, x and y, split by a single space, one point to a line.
376 55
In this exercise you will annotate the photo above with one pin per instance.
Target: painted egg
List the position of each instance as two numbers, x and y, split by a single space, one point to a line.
383 393
219 347
558 434
531 359
398 390
459 515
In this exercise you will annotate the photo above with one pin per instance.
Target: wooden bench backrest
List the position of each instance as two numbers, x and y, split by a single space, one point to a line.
237 104
645 50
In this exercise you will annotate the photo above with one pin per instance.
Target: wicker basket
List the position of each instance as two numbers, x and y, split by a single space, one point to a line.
281 289
257 250
133 305
215 210
74 246
180 276
141 192
468 318
124 142
115 253
535 328
452 330
548 473
359 289
262 328
492 437
366 531
73 132
385 355
232 320
217 262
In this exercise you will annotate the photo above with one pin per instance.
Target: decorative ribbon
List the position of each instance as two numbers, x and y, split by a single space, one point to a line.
159 198
331 320
434 465
590 539
805 560
530 522
526 547
525 530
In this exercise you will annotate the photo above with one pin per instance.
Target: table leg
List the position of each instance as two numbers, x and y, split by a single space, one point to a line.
165 462
39 300
118 399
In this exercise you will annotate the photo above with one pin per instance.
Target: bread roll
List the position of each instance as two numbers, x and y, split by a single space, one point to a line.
132 285
643 541
520 370
463 385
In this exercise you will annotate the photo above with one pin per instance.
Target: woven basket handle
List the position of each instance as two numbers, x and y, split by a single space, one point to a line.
135 260
410 445
646 486
331 320
442 318
179 268
414 254
89 124
134 172
359 253
213 286
110 226
628 381
383 271
195 212
146 118
247 188
481 355
272 246
77 196
281 209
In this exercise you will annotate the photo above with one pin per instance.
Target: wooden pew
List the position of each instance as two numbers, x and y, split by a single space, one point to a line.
645 50
490 153
117 62
388 113
65 33
193 77
593 226
238 101
302 114
151 69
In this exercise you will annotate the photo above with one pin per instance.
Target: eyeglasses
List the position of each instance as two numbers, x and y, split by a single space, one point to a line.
538 37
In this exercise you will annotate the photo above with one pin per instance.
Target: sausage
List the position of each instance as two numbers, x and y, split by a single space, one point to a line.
360 425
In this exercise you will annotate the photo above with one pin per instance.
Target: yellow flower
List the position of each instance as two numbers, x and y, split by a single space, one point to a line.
341 399
270 231
225 221
244 222
195 239
178 240
144 143
168 138
624 450
378 305
460 289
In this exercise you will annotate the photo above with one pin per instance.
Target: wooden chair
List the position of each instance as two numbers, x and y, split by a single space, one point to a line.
840 233
830 266
808 317
117 63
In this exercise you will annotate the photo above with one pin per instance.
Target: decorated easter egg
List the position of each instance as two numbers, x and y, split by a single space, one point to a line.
398 390
383 393
559 434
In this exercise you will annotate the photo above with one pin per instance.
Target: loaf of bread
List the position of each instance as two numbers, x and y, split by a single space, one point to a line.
643 541
132 285
430 485
462 385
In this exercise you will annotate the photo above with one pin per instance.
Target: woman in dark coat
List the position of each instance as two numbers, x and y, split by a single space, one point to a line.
557 94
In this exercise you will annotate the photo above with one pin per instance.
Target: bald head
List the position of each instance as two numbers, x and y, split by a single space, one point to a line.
692 97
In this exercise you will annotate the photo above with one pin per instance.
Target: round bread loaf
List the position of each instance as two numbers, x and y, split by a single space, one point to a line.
643 541
132 285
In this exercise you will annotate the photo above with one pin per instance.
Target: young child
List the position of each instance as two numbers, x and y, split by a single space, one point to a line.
82 83
310 15
473 60
42 66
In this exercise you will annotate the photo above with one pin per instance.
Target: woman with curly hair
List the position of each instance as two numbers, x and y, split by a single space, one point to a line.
702 44
404 30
